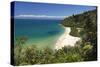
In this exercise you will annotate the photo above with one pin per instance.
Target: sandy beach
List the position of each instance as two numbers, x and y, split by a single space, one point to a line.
66 39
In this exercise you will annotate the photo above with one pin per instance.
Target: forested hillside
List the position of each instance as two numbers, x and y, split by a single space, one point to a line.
80 20
87 22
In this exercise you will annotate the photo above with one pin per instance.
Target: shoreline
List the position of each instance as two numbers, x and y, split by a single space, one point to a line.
66 39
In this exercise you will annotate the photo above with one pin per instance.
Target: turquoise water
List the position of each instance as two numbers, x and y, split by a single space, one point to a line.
40 32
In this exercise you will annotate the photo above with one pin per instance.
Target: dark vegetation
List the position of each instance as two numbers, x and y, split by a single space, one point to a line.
31 55
84 51
87 21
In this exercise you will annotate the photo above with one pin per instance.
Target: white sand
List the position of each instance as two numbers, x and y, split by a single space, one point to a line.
66 39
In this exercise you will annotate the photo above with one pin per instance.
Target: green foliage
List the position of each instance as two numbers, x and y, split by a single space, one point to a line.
74 32
82 51
20 40
30 55
80 20
88 22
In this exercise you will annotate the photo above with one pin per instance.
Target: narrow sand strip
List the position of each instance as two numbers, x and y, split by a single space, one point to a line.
66 39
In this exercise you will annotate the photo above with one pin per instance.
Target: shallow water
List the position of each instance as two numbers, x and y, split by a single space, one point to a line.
40 32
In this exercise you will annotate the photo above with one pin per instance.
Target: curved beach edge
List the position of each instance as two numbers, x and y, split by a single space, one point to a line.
66 39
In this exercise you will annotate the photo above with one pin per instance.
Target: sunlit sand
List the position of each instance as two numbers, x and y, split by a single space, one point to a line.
66 39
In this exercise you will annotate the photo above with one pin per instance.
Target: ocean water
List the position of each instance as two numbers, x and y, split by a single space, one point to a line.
39 32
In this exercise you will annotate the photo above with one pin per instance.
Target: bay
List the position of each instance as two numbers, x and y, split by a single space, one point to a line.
40 32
